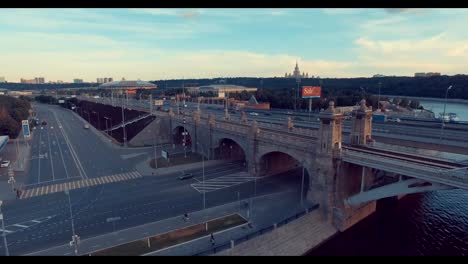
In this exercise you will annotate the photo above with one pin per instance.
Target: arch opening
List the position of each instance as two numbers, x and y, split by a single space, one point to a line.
291 171
181 136
228 149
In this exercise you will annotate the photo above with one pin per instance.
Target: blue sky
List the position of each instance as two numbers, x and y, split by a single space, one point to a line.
149 44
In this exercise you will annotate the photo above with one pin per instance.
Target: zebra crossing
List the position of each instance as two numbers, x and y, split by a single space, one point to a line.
23 225
223 182
60 187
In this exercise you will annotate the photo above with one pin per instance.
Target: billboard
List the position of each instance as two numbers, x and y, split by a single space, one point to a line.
132 91
158 102
311 91
25 125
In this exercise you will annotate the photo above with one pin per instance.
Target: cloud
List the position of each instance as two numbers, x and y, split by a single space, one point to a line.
396 10
342 11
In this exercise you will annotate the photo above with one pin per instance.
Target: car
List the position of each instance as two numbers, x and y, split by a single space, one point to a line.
396 120
86 126
253 114
5 164
298 119
289 112
185 176
44 123
267 114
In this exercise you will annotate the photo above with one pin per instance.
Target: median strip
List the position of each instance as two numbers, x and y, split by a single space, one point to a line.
172 238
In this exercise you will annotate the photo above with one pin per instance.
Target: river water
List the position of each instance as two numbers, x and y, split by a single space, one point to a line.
438 107
432 223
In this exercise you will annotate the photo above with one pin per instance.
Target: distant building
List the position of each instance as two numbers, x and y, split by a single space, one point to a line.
105 80
2 80
429 74
39 80
378 75
220 90
297 74
77 80
32 81
127 85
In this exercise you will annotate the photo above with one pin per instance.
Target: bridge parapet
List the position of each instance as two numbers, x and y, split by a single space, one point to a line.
456 178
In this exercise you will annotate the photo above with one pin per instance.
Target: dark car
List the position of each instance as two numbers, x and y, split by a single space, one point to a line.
186 176
44 123
267 114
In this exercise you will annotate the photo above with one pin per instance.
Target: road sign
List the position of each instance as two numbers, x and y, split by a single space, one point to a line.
26 131
164 154
112 219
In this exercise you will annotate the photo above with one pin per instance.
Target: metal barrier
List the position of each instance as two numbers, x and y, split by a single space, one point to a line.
257 233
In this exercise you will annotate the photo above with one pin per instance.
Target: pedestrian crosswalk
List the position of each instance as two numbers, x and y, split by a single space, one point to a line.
23 225
223 182
60 187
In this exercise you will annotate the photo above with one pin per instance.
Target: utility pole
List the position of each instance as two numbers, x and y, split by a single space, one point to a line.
7 253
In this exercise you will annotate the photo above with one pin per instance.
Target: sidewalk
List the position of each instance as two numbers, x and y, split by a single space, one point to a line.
146 170
18 163
264 215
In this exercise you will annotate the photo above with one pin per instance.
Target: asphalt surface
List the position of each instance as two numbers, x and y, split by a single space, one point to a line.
74 152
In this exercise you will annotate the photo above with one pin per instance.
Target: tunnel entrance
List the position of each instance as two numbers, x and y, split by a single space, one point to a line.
279 164
181 136
228 149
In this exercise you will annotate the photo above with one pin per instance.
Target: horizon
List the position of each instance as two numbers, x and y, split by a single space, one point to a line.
161 44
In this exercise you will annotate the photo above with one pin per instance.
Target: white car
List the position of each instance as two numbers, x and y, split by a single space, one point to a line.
254 114
5 164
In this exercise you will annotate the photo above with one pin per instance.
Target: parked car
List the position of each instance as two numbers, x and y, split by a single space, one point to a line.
5 164
185 176
86 126
253 114
267 114
44 123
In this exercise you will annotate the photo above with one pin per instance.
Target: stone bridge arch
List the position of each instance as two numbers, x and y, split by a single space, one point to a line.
230 147
271 161
178 134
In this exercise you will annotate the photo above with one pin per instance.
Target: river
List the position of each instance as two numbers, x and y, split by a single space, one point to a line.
438 107
429 224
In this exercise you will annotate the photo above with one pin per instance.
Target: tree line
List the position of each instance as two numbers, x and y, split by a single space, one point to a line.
12 112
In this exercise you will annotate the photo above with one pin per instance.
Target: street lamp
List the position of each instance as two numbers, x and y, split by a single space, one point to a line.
99 122
75 238
443 116
302 185
203 173
7 253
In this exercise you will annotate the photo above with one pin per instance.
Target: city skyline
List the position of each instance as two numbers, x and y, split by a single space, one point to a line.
152 44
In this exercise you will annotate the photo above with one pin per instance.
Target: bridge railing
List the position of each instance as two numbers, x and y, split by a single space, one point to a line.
257 233
412 170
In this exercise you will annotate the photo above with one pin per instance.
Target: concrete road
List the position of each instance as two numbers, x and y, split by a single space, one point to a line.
64 151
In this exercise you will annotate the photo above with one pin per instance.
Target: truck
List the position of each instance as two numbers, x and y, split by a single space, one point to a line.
379 118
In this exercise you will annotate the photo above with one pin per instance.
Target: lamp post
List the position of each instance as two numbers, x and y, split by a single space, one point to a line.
75 238
7 253
123 125
443 116
203 180
99 122
302 185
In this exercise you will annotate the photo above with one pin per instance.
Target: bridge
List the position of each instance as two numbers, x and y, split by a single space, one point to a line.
346 179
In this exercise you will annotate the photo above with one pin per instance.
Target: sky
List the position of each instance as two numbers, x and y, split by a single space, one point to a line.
154 44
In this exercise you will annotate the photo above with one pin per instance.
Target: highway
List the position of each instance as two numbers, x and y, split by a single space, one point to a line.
74 152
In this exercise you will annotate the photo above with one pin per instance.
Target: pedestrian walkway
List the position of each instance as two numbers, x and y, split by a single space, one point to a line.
293 239
47 189
223 182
